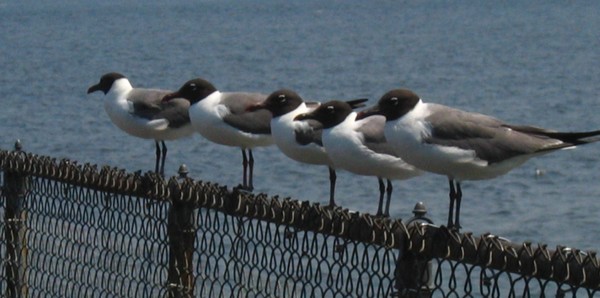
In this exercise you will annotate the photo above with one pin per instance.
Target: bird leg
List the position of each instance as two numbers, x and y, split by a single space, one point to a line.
332 179
451 207
381 191
164 157
455 197
389 198
458 200
157 166
251 174
245 166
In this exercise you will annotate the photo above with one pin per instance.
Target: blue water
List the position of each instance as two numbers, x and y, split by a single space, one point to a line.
529 62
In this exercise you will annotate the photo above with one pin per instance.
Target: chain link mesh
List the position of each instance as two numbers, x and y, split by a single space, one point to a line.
88 243
75 230
252 258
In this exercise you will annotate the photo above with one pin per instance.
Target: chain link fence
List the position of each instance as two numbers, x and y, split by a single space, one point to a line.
79 230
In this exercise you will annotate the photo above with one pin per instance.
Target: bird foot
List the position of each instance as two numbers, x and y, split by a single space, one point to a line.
382 215
245 189
332 207
454 228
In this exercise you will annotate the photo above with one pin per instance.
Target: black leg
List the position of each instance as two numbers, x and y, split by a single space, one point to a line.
332 179
458 199
251 174
245 168
157 166
452 196
389 198
381 191
164 157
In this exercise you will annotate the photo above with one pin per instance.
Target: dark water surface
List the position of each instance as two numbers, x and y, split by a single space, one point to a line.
534 63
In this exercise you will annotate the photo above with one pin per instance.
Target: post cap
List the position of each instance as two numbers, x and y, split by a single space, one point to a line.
183 171
420 209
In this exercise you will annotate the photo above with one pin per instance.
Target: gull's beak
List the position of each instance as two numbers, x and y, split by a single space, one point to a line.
170 96
94 88
374 110
304 116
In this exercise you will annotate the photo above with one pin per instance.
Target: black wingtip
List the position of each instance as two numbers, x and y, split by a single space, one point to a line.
575 138
357 103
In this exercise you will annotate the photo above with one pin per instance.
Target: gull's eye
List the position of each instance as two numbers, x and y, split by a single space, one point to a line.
282 98
394 101
330 109
193 86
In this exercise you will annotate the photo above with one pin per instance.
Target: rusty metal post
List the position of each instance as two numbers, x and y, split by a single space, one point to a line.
15 216
181 229
413 272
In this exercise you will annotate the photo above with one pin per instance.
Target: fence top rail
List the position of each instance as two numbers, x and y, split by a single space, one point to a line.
563 265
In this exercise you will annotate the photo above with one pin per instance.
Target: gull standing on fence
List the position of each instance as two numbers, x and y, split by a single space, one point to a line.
299 140
141 113
463 145
359 146
223 118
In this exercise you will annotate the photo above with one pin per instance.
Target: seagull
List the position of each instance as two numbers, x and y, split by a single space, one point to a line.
141 113
360 147
299 140
463 145
222 118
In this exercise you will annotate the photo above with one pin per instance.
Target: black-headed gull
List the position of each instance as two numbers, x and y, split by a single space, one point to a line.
463 145
141 113
223 118
359 146
299 140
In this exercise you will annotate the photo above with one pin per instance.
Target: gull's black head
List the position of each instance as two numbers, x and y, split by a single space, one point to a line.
397 103
279 102
106 82
193 90
329 114
393 105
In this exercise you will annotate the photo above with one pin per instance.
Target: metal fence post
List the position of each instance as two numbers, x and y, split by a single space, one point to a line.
181 229
413 272
15 216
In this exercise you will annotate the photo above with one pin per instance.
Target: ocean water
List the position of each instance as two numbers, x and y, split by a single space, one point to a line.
534 62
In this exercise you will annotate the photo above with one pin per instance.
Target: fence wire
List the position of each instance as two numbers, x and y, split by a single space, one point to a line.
251 258
74 230
87 243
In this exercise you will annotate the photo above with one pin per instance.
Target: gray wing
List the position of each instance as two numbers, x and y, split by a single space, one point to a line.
372 129
258 122
147 103
310 132
176 112
490 139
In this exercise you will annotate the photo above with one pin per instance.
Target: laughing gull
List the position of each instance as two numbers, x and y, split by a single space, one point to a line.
359 146
141 113
463 145
222 118
299 140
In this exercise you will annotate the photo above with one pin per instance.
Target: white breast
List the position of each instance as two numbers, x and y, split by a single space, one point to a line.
282 129
120 112
345 146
